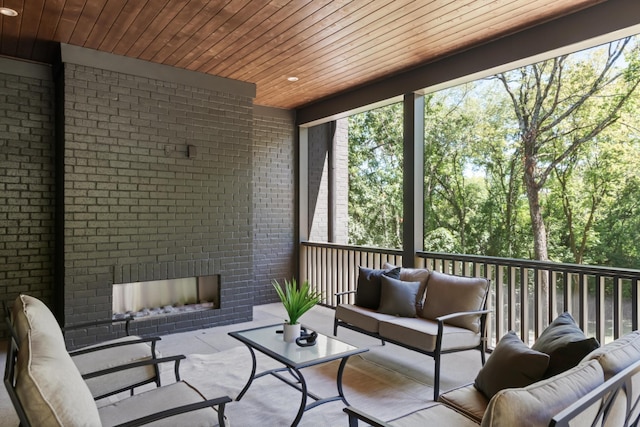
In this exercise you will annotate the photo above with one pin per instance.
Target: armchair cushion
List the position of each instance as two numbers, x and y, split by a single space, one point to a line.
565 343
397 297
368 290
158 399
448 294
48 378
512 364
112 357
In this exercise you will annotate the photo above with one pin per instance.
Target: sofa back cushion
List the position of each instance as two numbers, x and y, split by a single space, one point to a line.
49 386
448 294
617 355
539 402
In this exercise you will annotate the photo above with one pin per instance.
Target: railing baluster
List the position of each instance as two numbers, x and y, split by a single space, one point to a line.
334 268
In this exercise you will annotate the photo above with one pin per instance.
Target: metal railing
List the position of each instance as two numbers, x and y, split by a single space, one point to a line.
525 295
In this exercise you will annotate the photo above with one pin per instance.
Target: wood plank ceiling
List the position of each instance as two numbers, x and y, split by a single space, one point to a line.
329 45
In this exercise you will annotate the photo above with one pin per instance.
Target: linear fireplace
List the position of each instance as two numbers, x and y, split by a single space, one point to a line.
165 297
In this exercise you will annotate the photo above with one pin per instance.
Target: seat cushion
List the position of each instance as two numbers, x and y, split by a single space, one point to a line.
48 383
467 400
363 318
565 343
368 289
436 415
421 333
111 357
448 294
512 364
540 401
158 399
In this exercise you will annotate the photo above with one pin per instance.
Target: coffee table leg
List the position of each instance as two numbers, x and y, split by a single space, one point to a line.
303 402
343 363
253 374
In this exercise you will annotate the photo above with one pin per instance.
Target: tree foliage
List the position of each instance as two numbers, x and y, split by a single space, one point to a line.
540 162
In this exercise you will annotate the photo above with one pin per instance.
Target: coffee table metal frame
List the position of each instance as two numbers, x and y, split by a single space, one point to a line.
294 358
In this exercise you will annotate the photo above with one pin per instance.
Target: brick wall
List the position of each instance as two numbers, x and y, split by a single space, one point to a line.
137 207
135 200
274 201
26 181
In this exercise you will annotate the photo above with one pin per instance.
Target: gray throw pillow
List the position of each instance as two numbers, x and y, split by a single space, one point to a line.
398 297
368 290
512 364
565 343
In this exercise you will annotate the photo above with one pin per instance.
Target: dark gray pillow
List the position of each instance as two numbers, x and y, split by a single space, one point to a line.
565 343
398 297
368 290
512 364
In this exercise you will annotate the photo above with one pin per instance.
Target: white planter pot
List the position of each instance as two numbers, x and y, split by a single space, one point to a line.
291 332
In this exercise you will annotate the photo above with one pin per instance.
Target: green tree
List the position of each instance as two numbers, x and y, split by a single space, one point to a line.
375 177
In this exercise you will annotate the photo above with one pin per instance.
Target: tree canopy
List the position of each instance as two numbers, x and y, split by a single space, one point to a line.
540 162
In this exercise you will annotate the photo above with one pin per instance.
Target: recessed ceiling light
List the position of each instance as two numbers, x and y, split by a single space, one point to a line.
8 12
292 79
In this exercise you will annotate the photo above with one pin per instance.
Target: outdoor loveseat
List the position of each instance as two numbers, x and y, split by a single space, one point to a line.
426 311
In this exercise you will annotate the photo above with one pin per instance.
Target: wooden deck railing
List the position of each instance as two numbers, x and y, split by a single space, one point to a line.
525 295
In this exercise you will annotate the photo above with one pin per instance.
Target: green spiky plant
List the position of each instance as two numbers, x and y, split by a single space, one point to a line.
296 301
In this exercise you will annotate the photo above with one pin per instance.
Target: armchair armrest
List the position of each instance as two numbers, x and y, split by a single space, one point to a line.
219 401
340 294
127 319
149 362
460 314
99 347
356 414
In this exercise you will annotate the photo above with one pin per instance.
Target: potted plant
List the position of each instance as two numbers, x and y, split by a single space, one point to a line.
296 301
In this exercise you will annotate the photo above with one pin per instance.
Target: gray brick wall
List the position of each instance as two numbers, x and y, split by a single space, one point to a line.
137 208
319 142
274 203
133 197
26 183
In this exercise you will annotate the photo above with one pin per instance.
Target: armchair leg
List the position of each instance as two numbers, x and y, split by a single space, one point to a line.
436 382
335 327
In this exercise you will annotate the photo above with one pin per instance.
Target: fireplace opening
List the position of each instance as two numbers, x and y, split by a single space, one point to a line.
165 297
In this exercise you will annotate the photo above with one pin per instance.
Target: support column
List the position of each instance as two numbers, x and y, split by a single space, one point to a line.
413 178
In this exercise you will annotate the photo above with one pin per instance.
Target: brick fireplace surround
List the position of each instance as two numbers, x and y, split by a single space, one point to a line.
118 170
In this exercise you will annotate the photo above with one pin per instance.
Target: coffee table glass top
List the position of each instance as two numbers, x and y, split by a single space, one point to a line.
266 340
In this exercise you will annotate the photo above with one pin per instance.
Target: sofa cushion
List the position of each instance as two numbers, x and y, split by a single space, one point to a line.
398 298
511 364
448 294
565 342
617 355
421 333
540 401
48 384
414 275
467 400
368 290
364 318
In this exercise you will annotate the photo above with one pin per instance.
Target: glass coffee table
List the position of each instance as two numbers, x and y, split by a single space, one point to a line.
268 341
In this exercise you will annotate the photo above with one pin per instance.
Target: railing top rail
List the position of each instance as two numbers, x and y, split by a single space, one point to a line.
540 265
396 252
